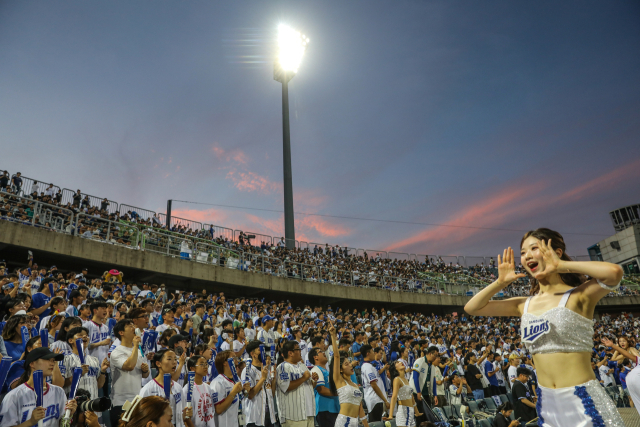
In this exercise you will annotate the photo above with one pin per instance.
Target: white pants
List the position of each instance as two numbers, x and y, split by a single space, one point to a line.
405 416
584 405
633 386
345 421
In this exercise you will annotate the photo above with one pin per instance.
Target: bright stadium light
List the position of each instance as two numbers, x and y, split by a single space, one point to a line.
291 47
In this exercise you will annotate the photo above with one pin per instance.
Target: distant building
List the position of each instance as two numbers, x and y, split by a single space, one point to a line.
623 247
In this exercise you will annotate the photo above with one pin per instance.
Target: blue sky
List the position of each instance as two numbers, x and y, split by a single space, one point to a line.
500 115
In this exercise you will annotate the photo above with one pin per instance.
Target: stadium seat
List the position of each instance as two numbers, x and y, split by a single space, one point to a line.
510 397
484 423
377 424
491 405
503 398
473 406
440 413
448 411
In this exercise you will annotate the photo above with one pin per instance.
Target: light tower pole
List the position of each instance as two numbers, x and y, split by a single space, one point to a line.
291 47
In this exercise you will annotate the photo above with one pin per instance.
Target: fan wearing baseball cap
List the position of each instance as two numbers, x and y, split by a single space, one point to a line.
19 405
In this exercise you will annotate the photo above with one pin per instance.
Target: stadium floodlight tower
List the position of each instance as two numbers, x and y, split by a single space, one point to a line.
291 47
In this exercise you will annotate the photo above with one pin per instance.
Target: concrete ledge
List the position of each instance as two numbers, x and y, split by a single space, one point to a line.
79 250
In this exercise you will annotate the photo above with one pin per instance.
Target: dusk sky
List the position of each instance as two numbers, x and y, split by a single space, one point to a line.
499 117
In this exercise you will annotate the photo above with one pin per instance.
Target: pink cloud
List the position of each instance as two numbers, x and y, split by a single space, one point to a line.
485 213
207 216
509 204
325 228
250 181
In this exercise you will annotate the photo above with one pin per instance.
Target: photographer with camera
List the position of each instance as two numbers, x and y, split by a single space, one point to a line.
85 415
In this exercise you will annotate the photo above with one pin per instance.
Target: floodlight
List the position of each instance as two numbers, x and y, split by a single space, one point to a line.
291 47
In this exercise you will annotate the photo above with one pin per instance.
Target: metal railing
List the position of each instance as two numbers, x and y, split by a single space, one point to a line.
94 201
32 212
144 214
28 184
177 221
107 231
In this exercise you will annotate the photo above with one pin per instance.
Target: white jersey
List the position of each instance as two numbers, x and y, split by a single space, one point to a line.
62 346
202 404
304 349
237 346
154 388
98 333
499 374
249 334
298 404
255 409
513 374
267 338
370 376
220 388
89 381
19 403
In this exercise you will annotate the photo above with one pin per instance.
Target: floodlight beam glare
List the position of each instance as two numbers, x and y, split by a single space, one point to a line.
291 47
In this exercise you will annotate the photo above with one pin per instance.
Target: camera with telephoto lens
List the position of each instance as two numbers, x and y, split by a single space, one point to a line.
96 405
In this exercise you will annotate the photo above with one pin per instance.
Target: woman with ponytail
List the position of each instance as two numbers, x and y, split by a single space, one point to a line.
402 404
503 416
340 384
557 327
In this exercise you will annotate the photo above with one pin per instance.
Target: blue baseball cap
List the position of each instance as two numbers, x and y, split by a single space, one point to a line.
266 318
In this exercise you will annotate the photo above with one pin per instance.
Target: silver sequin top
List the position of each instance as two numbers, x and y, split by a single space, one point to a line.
349 394
405 392
558 330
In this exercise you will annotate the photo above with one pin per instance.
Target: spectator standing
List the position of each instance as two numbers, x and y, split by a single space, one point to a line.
128 368
373 389
294 391
423 382
491 372
266 335
20 403
258 407
98 332
4 181
224 392
203 411
93 372
16 183
606 373
525 406
40 302
473 376
165 362
327 405
357 345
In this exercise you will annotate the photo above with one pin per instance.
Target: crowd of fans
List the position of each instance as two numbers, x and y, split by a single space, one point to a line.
327 264
471 360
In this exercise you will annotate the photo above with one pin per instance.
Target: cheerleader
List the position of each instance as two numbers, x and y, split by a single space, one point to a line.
557 326
349 394
402 394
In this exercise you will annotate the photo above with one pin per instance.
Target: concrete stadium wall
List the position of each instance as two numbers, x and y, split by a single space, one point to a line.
68 252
